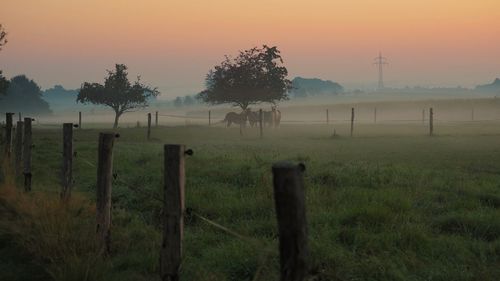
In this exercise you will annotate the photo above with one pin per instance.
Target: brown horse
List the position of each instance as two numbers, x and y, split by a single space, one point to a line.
253 117
272 117
236 118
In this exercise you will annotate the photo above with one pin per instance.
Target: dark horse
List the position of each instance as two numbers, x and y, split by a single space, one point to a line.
236 118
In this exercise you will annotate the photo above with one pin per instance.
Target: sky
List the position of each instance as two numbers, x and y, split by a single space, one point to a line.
173 44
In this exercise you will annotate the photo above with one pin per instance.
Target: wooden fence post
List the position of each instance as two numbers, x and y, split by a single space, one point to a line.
156 119
173 210
67 165
431 122
261 129
19 147
8 135
291 214
79 120
327 117
149 126
209 118
27 147
352 121
103 195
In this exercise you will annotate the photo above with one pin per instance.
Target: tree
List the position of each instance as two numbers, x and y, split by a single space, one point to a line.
3 37
188 101
4 83
256 75
24 95
178 102
117 93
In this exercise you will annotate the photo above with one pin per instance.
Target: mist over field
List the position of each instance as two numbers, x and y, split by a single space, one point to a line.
249 140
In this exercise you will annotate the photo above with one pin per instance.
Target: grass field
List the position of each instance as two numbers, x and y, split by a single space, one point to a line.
390 203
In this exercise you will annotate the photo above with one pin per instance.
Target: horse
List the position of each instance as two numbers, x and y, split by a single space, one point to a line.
236 118
253 117
272 117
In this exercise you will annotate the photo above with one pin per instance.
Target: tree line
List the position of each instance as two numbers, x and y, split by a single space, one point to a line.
256 75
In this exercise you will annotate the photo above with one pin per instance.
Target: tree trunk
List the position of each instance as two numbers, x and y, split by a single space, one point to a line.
117 117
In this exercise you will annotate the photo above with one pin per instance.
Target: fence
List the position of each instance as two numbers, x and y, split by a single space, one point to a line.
288 194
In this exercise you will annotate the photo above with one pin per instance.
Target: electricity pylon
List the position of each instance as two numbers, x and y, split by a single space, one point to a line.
380 61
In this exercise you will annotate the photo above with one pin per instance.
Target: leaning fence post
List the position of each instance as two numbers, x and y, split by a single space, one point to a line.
67 165
103 195
27 146
8 135
149 126
352 121
79 120
19 147
431 122
173 210
291 214
261 129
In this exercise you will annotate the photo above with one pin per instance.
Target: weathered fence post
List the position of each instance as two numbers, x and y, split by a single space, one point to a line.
375 115
149 126
67 165
27 146
209 118
291 214
327 117
261 129
8 135
431 122
79 120
156 119
352 121
173 210
19 147
103 195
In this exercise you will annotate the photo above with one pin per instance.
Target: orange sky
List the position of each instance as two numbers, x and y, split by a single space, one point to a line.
172 44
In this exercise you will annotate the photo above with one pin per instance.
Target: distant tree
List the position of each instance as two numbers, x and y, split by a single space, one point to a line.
178 102
24 95
256 75
3 37
4 83
188 101
117 93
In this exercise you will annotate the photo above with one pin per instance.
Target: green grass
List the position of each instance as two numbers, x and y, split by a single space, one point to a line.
388 204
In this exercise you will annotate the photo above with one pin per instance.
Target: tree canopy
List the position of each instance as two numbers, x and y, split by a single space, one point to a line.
117 92
256 75
24 95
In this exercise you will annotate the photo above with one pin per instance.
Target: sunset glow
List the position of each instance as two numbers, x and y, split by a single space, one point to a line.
174 43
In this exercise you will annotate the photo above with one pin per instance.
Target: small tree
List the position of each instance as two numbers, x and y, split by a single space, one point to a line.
4 83
256 75
117 93
3 37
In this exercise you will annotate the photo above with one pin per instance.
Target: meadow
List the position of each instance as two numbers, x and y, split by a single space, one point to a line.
389 203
